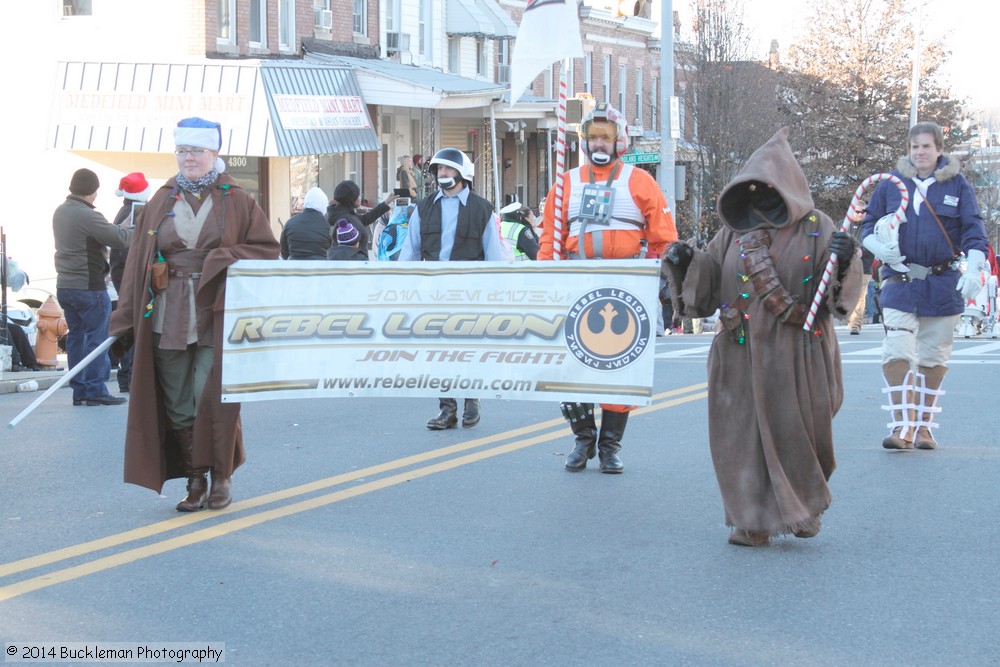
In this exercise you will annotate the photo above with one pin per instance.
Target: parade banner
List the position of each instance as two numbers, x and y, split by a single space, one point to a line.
545 331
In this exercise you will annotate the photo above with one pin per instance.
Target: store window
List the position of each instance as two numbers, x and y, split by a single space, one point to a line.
245 170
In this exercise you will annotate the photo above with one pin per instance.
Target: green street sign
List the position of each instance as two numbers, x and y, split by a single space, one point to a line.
641 158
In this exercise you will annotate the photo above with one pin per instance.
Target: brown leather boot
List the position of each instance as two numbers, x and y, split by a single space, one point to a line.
221 494
929 391
197 485
899 381
748 538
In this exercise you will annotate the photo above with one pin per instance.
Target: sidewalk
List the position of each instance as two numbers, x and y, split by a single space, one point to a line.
45 379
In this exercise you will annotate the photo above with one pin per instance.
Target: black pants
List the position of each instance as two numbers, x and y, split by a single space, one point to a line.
22 355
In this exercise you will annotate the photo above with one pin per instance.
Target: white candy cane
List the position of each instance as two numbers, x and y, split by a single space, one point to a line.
900 216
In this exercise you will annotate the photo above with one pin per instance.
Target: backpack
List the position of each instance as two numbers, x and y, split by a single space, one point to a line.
391 239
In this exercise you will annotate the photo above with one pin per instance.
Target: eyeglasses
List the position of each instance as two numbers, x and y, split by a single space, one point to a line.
600 136
194 152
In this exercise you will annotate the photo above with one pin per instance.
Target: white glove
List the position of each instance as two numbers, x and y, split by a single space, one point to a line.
971 282
887 253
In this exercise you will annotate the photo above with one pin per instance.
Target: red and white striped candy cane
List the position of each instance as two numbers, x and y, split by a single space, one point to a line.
904 200
558 222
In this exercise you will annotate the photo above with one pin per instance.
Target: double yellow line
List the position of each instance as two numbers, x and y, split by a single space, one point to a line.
518 439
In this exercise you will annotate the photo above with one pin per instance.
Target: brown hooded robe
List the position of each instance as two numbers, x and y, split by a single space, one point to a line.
771 398
151 457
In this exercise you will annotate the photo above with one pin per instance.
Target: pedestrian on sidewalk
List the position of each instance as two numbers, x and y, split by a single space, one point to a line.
82 238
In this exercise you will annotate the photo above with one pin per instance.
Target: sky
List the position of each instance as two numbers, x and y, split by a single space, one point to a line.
971 28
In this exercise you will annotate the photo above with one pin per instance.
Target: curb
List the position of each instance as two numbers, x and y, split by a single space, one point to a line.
45 379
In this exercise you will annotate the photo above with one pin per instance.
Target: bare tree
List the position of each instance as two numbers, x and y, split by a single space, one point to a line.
732 104
849 94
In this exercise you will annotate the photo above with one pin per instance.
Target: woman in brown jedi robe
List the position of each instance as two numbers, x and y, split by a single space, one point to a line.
773 387
171 305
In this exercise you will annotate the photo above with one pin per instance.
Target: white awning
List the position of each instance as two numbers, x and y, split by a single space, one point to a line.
266 109
479 18
390 83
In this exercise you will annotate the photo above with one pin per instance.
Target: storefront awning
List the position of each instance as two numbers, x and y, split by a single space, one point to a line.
267 109
390 83
479 18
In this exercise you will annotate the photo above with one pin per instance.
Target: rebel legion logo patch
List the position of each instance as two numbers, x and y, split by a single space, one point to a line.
607 329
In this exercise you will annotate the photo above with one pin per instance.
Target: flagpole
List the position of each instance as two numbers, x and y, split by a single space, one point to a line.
560 163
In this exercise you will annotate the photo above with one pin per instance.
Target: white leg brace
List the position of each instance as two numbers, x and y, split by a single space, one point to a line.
926 405
901 406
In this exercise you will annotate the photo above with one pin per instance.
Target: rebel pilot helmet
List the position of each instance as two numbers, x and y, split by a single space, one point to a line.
606 113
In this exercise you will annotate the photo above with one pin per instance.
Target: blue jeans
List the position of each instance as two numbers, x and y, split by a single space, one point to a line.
87 312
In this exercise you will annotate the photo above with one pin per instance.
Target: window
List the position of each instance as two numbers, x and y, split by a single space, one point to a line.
638 96
503 61
570 73
588 73
622 88
360 13
549 81
454 54
654 106
77 8
606 93
258 23
225 22
480 56
286 25
425 27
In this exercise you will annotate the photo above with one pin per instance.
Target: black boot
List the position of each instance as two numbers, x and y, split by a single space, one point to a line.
197 486
610 441
470 417
447 418
585 430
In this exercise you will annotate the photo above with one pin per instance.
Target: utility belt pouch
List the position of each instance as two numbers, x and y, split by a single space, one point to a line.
158 274
731 318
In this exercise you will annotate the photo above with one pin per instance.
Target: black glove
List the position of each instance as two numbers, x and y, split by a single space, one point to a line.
841 244
122 344
680 255
574 412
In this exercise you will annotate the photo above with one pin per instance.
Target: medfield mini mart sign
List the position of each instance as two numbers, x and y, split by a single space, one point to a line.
548 331
641 157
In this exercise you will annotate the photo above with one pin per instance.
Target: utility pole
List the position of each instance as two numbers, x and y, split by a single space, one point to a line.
665 173
915 81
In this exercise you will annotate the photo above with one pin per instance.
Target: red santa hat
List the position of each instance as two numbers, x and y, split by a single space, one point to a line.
133 186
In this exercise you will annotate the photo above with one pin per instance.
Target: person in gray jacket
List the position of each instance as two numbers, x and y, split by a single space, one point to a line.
82 238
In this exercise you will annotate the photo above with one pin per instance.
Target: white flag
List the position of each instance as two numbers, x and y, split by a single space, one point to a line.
549 31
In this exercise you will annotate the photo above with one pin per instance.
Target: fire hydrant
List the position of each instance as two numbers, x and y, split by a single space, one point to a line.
51 325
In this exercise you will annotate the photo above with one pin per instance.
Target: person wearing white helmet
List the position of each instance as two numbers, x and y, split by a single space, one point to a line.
610 210
453 224
517 225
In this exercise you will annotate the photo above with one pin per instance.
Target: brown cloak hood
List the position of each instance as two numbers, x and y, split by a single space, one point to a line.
770 191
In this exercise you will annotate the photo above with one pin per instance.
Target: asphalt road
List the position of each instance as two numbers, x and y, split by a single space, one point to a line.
360 538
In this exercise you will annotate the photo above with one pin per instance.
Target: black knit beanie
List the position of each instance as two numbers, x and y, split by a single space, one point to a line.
84 183
347 193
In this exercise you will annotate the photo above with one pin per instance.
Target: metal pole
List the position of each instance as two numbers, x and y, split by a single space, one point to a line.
915 82
496 167
665 173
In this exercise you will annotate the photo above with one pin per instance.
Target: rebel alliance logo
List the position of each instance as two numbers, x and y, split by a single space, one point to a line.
607 329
